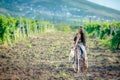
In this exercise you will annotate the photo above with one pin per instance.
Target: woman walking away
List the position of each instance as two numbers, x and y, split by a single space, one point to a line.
80 43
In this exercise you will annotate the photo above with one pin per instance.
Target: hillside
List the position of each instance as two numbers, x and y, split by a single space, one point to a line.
57 10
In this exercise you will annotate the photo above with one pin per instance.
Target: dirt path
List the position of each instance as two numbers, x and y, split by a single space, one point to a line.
46 58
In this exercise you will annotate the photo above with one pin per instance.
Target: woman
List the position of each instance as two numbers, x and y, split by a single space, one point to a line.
80 43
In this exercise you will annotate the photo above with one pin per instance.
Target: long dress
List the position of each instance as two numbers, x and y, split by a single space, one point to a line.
82 52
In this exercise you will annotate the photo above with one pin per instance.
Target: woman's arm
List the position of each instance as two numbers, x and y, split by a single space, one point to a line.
78 37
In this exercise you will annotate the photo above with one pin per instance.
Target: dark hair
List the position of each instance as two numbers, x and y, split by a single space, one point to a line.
83 37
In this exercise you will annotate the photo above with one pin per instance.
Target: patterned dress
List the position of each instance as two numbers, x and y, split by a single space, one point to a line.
81 52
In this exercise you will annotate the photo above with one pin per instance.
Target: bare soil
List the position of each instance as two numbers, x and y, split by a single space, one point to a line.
45 57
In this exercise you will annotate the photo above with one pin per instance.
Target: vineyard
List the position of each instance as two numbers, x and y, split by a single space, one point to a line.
106 31
39 50
15 29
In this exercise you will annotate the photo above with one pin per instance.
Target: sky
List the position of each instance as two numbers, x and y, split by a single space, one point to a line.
115 4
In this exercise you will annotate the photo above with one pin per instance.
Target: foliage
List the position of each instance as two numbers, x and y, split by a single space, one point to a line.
3 23
115 41
15 29
106 31
62 27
